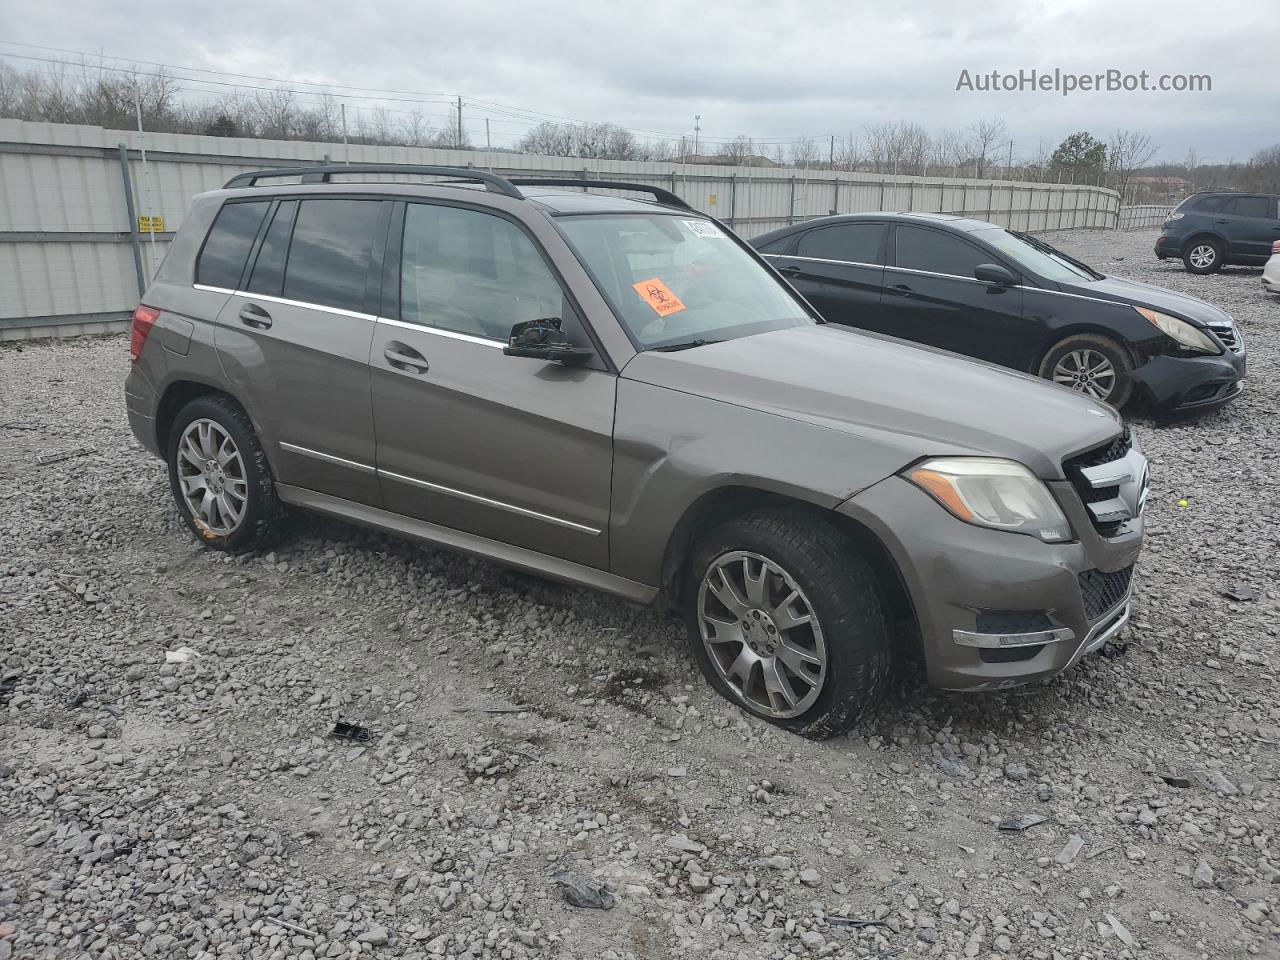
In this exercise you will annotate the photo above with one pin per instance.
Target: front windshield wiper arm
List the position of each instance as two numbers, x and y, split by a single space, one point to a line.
685 345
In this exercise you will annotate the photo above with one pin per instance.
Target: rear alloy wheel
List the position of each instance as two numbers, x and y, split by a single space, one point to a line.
1202 256
1094 366
786 620
219 476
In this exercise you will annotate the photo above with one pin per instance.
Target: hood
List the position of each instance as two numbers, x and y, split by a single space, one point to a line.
918 400
1176 304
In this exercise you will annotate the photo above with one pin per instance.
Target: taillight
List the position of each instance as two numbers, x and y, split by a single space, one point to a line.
1275 248
144 318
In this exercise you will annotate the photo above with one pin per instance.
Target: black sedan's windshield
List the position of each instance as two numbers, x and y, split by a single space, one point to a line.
1036 256
679 281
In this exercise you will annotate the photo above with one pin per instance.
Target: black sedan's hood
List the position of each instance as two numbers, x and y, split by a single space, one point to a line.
1181 305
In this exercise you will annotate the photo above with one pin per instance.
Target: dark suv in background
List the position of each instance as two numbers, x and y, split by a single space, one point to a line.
1207 230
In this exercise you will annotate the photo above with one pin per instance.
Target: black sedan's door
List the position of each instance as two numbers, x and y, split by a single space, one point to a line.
840 269
931 296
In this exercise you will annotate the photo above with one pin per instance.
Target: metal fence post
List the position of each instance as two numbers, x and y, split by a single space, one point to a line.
135 239
835 197
791 210
881 205
733 199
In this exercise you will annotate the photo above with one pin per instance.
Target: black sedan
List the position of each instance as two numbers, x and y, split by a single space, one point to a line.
1010 298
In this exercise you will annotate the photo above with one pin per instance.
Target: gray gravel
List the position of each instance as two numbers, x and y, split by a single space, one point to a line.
522 731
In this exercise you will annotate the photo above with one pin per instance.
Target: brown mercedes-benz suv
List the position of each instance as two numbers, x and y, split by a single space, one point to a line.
621 394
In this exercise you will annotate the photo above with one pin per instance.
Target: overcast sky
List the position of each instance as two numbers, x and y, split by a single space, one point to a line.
771 71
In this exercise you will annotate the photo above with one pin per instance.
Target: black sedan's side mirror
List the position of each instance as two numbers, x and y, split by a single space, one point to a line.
543 340
994 273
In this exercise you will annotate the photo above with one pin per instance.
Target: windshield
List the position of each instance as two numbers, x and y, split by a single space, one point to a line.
1036 256
674 281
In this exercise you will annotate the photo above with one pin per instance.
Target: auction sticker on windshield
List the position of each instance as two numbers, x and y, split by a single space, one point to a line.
704 229
658 296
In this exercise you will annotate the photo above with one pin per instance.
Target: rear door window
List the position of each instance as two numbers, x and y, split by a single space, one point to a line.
850 242
1263 208
937 252
1214 204
227 247
329 255
268 269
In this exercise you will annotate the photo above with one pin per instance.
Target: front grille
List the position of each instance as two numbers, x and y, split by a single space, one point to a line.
1229 334
1109 506
1103 591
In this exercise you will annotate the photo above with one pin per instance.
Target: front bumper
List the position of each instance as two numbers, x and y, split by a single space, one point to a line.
1188 384
969 583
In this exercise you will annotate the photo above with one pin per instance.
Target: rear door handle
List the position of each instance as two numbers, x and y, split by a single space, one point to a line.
791 270
900 290
252 315
1221 220
403 357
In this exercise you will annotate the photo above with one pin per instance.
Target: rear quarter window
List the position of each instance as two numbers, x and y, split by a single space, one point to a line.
227 247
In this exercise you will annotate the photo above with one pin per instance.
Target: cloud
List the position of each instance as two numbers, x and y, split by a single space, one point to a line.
767 70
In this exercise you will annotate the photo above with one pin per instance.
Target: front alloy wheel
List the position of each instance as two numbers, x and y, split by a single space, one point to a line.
762 634
1088 371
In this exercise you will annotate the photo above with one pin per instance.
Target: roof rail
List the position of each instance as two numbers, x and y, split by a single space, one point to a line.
660 195
321 173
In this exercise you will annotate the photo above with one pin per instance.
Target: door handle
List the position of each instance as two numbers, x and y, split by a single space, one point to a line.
899 290
252 315
791 270
1221 220
405 358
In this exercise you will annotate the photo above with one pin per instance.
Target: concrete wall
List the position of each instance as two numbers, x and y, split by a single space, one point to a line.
67 251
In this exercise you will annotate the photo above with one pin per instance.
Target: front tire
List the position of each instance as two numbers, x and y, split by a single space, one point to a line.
1202 255
220 478
786 620
1095 366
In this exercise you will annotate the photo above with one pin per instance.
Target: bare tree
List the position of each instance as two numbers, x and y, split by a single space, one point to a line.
804 152
984 134
1126 152
1263 172
739 150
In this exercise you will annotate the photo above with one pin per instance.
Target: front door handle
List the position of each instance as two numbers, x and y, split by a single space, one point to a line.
1221 220
791 270
900 290
252 315
403 357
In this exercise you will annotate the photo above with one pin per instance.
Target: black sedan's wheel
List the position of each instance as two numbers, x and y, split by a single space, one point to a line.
1203 255
219 476
786 620
1093 365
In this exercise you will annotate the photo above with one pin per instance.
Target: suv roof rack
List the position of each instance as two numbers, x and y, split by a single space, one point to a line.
321 173
660 195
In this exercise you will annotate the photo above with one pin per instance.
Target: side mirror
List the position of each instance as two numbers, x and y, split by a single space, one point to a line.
543 340
994 273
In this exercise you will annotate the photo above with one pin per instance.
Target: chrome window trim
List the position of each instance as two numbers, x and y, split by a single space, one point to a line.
326 457
486 501
954 276
842 263
285 301
441 332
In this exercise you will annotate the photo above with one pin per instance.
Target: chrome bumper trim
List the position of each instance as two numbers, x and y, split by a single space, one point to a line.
1004 641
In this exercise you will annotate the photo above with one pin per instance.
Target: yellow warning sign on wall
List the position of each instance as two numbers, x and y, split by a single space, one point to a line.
148 224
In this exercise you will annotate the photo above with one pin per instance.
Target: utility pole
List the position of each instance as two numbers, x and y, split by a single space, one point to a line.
146 180
697 128
457 139
488 141
346 148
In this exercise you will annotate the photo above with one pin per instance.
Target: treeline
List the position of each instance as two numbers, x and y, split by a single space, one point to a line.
112 98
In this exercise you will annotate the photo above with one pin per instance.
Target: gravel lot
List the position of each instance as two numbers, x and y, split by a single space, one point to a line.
522 729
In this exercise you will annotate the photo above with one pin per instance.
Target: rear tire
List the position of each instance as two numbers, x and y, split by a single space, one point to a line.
803 640
1202 255
1095 366
220 478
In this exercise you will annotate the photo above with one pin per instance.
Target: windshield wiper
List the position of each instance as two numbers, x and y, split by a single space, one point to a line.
685 345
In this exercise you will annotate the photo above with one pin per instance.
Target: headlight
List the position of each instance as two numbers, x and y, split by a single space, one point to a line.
1180 330
987 492
1176 216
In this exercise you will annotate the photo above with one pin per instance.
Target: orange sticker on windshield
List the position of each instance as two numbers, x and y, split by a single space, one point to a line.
658 296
